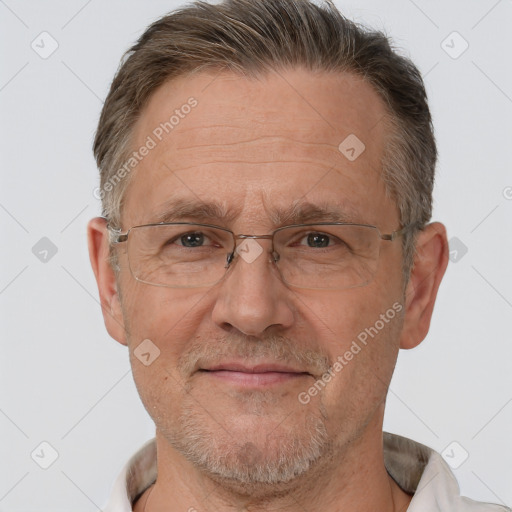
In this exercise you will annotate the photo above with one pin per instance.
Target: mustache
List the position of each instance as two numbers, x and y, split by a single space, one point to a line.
271 348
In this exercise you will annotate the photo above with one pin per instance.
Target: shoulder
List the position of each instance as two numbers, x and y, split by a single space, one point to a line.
421 471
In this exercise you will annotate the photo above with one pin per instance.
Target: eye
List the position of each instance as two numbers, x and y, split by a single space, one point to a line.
318 240
191 240
195 239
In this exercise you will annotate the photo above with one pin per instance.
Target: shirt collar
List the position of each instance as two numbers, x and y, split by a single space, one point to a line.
416 468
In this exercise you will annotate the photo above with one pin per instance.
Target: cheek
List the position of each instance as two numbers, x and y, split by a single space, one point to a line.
359 329
339 317
359 385
160 325
168 317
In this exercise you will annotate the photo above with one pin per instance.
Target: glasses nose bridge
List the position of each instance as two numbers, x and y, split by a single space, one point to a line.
242 236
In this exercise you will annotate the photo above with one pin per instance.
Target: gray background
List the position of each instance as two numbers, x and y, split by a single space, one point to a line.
65 382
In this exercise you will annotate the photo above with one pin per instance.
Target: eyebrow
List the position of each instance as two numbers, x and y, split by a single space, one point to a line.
177 210
300 212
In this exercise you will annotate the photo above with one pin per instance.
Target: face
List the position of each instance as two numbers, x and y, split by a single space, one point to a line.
256 148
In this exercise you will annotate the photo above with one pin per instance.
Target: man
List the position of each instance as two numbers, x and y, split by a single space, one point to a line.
266 175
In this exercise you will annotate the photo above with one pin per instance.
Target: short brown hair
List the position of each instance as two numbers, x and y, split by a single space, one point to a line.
252 36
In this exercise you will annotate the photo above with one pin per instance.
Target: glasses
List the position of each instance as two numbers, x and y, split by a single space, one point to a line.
312 256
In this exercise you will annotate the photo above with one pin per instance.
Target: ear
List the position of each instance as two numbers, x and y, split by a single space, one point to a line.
430 262
98 240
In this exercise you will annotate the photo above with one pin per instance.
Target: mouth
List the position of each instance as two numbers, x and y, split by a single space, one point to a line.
253 376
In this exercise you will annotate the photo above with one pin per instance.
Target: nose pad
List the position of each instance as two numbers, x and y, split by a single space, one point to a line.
230 257
275 256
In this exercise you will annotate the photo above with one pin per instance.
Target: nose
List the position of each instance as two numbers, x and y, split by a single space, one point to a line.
252 297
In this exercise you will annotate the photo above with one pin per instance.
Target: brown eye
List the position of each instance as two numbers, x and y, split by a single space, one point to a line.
318 240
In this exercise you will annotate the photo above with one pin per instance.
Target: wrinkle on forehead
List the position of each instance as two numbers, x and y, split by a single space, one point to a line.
300 104
262 145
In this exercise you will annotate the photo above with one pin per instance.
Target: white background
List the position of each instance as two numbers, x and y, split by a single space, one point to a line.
64 381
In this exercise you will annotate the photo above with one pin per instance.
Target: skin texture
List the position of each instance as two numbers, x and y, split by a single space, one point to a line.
255 146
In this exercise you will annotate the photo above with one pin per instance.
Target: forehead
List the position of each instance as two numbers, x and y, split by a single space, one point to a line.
254 144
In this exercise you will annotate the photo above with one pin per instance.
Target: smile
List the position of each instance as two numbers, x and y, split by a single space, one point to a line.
255 376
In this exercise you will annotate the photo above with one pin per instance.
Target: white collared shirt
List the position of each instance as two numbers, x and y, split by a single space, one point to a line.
417 469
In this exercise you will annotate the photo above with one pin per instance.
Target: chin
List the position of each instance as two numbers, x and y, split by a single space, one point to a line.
256 457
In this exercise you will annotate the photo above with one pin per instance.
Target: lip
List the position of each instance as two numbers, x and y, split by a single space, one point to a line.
253 375
258 368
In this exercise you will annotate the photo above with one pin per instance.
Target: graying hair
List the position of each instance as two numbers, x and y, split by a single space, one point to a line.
251 37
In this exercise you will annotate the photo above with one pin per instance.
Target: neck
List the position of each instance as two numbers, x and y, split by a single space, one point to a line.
353 477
